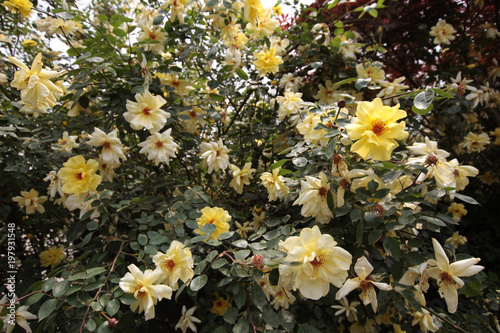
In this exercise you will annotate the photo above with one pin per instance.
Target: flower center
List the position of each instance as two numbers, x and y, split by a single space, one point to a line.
317 262
367 283
146 111
322 191
446 278
431 160
193 114
169 264
159 144
106 145
344 183
79 175
337 158
378 126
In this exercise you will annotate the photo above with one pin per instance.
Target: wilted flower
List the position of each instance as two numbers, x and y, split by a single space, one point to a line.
79 176
321 263
52 257
376 130
159 147
448 275
146 289
176 263
55 185
364 281
187 320
31 201
442 33
216 216
291 83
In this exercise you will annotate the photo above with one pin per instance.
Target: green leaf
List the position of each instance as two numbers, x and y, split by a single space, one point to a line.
442 93
306 37
419 111
278 164
240 298
198 282
33 299
359 233
374 236
47 308
258 296
231 315
60 288
92 225
391 246
91 325
241 243
308 329
286 320
112 307
212 3
433 220
270 317
47 286
95 271
466 198
219 263
241 74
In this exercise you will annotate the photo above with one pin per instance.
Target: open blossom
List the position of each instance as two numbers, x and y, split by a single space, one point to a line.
364 281
146 289
31 201
411 275
220 305
475 143
52 257
328 94
112 148
448 275
308 129
176 264
146 112
291 83
457 210
216 216
321 263
267 61
455 240
160 147
241 176
275 184
252 9
24 7
348 308
290 104
371 71
214 156
187 320
66 143
79 176
376 130
152 34
34 83
461 174
266 25
313 197
21 317
442 33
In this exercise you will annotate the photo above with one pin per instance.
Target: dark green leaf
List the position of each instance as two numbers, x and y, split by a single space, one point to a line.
198 282
47 308
112 307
